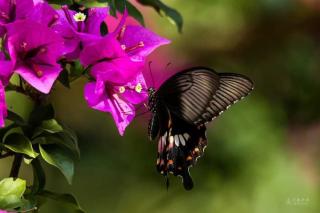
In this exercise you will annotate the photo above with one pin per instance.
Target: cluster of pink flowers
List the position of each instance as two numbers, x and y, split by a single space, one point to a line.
36 37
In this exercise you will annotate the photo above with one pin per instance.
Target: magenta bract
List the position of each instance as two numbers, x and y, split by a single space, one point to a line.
119 100
12 10
34 50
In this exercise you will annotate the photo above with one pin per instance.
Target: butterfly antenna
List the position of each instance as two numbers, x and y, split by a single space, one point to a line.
153 84
142 113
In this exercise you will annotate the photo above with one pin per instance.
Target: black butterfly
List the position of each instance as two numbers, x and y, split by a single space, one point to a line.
181 108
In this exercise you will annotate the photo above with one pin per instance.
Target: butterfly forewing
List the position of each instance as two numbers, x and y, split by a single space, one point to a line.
188 93
232 88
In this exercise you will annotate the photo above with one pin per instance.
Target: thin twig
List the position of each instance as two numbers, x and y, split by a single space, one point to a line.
16 165
6 155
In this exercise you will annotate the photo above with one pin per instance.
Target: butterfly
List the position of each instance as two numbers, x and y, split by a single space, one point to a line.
182 107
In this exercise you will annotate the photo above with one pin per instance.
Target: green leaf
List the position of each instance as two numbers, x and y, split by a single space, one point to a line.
11 191
5 130
59 157
112 5
66 199
65 140
135 13
70 140
39 177
27 160
11 131
163 9
132 10
64 78
76 69
89 4
41 113
20 144
19 103
51 126
16 118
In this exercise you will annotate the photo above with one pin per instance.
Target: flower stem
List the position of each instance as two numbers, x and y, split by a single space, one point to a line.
5 155
16 166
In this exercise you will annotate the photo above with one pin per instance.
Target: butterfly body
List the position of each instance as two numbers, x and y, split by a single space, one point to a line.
180 110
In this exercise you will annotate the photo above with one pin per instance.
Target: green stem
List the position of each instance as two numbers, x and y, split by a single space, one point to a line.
16 165
5 155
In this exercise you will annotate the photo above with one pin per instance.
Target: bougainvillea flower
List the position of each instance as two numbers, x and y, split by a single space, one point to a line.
34 50
2 211
137 41
44 14
119 100
6 70
109 62
77 28
12 10
118 57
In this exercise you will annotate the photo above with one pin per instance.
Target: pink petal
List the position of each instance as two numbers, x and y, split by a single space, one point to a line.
6 70
95 17
93 94
43 83
105 48
34 35
43 13
118 71
123 113
135 34
2 56
63 27
23 7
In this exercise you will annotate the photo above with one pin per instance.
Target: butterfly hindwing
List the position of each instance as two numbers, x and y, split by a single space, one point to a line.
179 147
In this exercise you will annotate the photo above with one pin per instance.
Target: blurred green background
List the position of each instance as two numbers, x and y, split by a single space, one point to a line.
263 153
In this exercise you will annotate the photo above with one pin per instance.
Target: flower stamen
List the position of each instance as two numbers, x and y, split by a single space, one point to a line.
124 47
67 14
139 45
122 89
121 33
79 17
37 70
138 88
53 20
